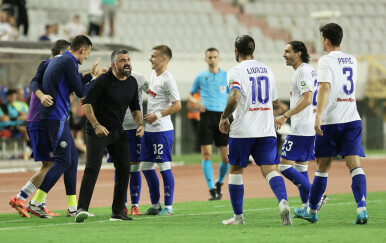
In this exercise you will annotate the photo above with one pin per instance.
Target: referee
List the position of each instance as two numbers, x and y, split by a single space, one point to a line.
213 88
105 106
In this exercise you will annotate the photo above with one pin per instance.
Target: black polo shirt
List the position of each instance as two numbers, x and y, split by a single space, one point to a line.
110 98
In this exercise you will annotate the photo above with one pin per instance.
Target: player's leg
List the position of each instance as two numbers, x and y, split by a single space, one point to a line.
287 168
266 156
299 149
69 178
164 141
358 187
351 149
205 134
135 171
148 170
239 151
60 137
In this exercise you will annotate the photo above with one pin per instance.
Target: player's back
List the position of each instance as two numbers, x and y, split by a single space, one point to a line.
253 116
56 85
341 71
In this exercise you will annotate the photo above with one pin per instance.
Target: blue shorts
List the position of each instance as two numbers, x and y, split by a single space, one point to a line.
40 142
135 145
157 147
263 151
298 148
343 139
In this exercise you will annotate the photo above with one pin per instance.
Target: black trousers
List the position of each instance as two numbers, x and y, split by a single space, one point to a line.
118 147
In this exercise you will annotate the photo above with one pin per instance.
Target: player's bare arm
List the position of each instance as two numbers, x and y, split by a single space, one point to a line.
321 100
152 117
137 116
98 128
198 103
233 101
46 100
304 102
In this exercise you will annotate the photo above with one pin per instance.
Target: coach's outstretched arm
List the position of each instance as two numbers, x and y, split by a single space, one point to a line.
152 117
233 101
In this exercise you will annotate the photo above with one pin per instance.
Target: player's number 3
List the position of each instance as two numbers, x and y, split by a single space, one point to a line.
349 78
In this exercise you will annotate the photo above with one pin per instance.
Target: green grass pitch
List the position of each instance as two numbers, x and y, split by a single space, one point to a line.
201 222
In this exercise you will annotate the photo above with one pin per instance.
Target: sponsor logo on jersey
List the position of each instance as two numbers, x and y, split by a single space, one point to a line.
152 94
259 109
345 100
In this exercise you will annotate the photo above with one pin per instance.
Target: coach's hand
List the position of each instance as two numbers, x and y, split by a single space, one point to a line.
150 118
140 131
317 126
101 131
224 125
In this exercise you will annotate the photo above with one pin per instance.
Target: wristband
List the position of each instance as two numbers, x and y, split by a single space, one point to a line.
96 126
285 116
158 115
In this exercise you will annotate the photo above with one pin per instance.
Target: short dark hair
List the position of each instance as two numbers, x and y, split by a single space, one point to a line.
245 45
10 92
79 42
333 32
165 50
115 53
58 46
299 46
211 49
48 26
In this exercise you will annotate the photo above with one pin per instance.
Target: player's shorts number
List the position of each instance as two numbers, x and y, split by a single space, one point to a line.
289 147
138 148
260 82
158 148
349 78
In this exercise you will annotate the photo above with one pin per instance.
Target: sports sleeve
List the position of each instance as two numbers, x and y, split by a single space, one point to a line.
324 71
171 89
304 81
134 104
38 79
95 89
233 79
196 85
86 78
73 78
143 85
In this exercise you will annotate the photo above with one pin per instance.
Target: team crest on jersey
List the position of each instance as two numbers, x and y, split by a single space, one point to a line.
63 144
223 89
51 154
303 83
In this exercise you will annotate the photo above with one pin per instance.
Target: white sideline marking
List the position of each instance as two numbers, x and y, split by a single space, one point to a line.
163 217
10 221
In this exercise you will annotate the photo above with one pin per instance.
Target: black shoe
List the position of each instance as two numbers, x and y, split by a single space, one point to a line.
212 194
119 217
218 190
